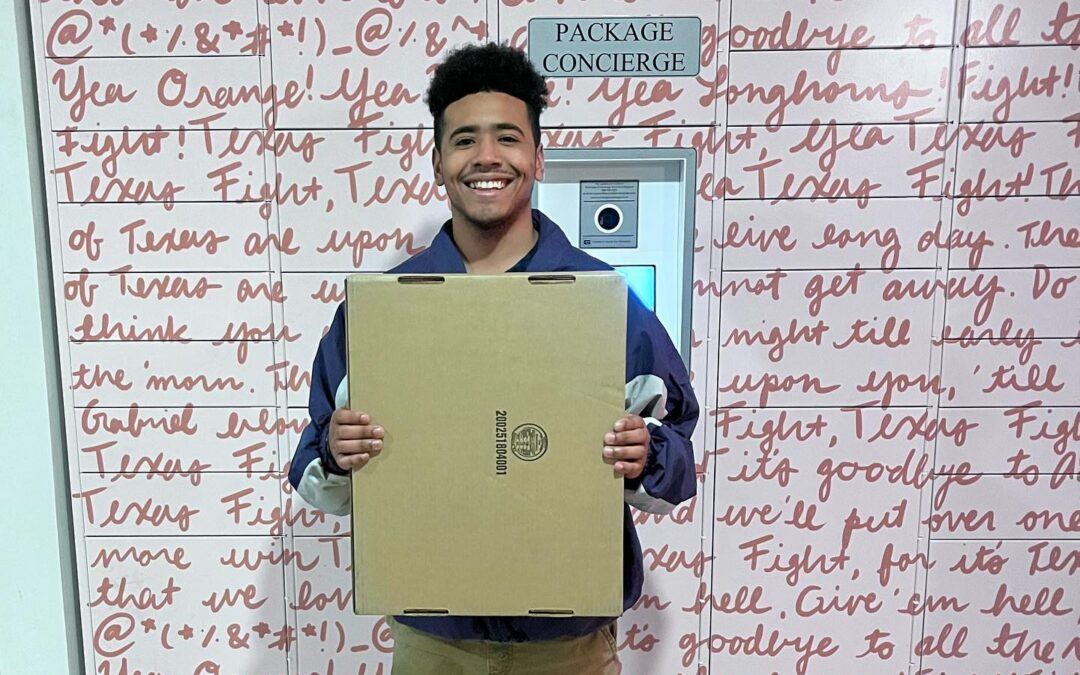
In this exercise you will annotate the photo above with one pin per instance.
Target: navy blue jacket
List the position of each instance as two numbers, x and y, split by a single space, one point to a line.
657 388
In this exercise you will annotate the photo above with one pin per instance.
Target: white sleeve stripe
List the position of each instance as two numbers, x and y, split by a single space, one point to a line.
646 395
341 396
643 501
326 491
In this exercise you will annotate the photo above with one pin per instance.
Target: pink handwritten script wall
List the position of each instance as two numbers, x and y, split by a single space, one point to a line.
886 315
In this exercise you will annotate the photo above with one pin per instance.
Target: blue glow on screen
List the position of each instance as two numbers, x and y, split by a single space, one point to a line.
641 279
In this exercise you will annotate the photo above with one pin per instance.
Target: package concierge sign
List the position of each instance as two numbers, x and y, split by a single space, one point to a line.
616 46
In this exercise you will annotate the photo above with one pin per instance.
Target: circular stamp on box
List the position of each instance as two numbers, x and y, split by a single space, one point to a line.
528 442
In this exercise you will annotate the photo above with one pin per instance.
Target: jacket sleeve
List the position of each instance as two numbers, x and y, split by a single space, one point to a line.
658 389
313 473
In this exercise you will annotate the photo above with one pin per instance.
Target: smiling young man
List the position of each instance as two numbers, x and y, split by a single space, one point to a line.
486 103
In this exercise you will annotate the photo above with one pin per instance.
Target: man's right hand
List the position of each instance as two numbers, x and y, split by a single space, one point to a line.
353 439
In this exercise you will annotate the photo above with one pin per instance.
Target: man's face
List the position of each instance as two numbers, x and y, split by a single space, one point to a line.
487 160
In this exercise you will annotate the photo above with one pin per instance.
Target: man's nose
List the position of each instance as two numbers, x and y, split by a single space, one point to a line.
487 152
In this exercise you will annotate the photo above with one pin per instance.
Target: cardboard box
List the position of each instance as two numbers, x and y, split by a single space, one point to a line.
491 496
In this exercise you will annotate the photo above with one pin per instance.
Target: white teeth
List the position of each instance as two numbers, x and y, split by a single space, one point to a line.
488 185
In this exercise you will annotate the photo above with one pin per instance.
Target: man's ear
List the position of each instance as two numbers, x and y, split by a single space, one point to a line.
540 162
436 165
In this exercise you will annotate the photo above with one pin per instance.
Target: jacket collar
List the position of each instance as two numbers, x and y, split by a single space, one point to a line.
551 248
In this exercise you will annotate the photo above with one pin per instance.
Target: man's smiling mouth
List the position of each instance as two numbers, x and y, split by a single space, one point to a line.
487 184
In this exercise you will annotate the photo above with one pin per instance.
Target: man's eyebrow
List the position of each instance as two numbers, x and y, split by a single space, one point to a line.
470 129
473 128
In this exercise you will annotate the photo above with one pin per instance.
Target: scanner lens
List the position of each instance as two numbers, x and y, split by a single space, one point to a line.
608 219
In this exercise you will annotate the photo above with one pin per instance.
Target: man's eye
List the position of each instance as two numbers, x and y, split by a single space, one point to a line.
509 139
462 141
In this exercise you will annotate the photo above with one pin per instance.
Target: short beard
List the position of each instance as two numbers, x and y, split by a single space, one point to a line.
492 225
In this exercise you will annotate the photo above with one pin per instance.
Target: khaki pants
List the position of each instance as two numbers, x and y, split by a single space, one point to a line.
418 653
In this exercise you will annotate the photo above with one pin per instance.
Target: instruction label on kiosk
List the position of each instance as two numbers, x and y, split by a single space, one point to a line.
609 214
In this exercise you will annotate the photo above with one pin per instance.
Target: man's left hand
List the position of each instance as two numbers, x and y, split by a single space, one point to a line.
626 446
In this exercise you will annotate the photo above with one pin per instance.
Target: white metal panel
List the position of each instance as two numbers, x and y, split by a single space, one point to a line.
1023 231
176 373
1010 372
809 503
178 604
218 504
158 166
1007 506
857 85
1020 22
172 306
377 204
828 161
1003 160
96 29
806 234
1019 590
850 24
830 337
1028 303
1016 84
185 439
359 66
152 237
114 93
1002 440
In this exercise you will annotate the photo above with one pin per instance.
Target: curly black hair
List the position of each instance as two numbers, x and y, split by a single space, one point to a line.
490 67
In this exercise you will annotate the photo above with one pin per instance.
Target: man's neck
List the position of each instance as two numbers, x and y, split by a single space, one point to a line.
495 250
